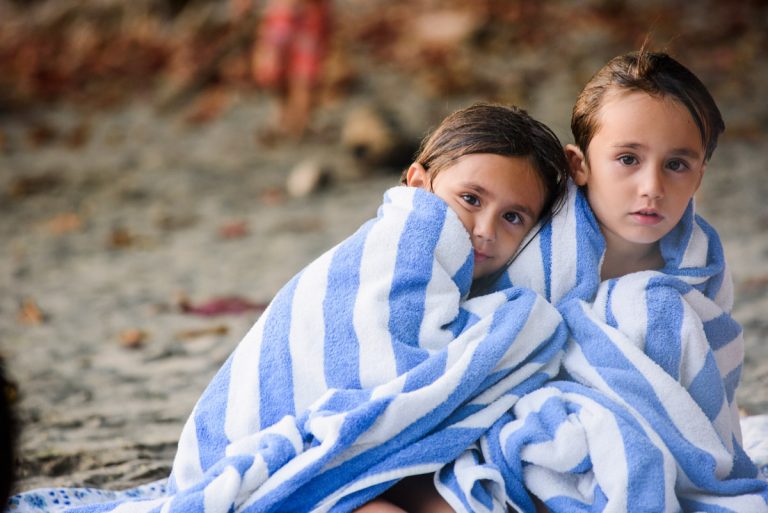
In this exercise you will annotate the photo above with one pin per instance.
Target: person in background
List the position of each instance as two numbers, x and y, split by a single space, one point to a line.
287 59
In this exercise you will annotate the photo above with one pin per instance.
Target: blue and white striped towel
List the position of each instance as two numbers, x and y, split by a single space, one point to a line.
643 417
369 366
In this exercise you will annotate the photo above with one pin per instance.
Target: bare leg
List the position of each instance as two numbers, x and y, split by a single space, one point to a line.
417 494
298 106
379 506
540 507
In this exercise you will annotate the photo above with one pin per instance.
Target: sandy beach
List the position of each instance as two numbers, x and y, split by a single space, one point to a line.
120 226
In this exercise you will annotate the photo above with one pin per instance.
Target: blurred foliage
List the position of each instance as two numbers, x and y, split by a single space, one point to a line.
102 52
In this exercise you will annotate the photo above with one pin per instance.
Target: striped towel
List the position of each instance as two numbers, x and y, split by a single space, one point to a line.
643 417
370 365
755 431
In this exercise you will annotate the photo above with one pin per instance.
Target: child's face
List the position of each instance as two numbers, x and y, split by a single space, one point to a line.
644 164
498 199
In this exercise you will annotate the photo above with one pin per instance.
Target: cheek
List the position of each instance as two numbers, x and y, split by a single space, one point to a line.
682 193
594 198
464 217
602 195
512 243
603 208
681 204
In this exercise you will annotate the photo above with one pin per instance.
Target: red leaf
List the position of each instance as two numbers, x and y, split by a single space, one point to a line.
221 306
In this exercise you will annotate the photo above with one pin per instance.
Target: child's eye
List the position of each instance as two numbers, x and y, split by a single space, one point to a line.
471 199
677 165
513 218
628 160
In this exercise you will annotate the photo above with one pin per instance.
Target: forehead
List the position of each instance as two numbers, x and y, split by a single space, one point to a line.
637 115
504 178
492 167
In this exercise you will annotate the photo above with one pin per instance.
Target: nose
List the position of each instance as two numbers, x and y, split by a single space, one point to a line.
485 228
652 182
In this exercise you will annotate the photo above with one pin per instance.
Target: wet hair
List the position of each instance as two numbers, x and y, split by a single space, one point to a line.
656 74
503 130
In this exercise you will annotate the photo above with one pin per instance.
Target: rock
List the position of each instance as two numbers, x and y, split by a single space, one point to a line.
373 139
306 178
446 29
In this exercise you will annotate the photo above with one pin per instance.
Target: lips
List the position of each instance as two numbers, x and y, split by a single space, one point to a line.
647 216
480 257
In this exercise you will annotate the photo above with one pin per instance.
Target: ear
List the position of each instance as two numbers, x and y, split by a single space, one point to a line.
578 164
417 176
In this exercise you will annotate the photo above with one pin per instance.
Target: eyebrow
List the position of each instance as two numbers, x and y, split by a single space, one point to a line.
515 206
684 152
687 152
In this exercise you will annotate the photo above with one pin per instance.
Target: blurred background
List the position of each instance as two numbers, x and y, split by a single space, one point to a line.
200 55
161 176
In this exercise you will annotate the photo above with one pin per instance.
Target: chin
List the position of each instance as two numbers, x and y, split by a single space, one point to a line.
647 238
480 274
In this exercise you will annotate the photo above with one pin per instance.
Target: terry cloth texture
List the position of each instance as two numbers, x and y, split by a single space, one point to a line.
643 417
755 432
368 366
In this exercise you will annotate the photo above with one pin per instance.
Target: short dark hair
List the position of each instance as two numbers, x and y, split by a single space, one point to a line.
654 73
497 129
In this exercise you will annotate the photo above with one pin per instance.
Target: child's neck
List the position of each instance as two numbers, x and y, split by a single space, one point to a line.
622 258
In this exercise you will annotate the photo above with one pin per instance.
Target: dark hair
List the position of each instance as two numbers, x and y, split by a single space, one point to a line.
8 432
654 73
500 130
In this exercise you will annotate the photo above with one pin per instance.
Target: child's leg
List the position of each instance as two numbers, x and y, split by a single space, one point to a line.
297 106
434 504
415 494
540 507
379 506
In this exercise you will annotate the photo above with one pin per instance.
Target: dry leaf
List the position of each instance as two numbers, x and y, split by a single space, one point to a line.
220 329
121 238
133 338
29 313
64 223
234 230
220 306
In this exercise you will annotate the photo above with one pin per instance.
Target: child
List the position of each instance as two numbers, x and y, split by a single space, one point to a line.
496 191
505 174
645 128
645 417
288 57
373 364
